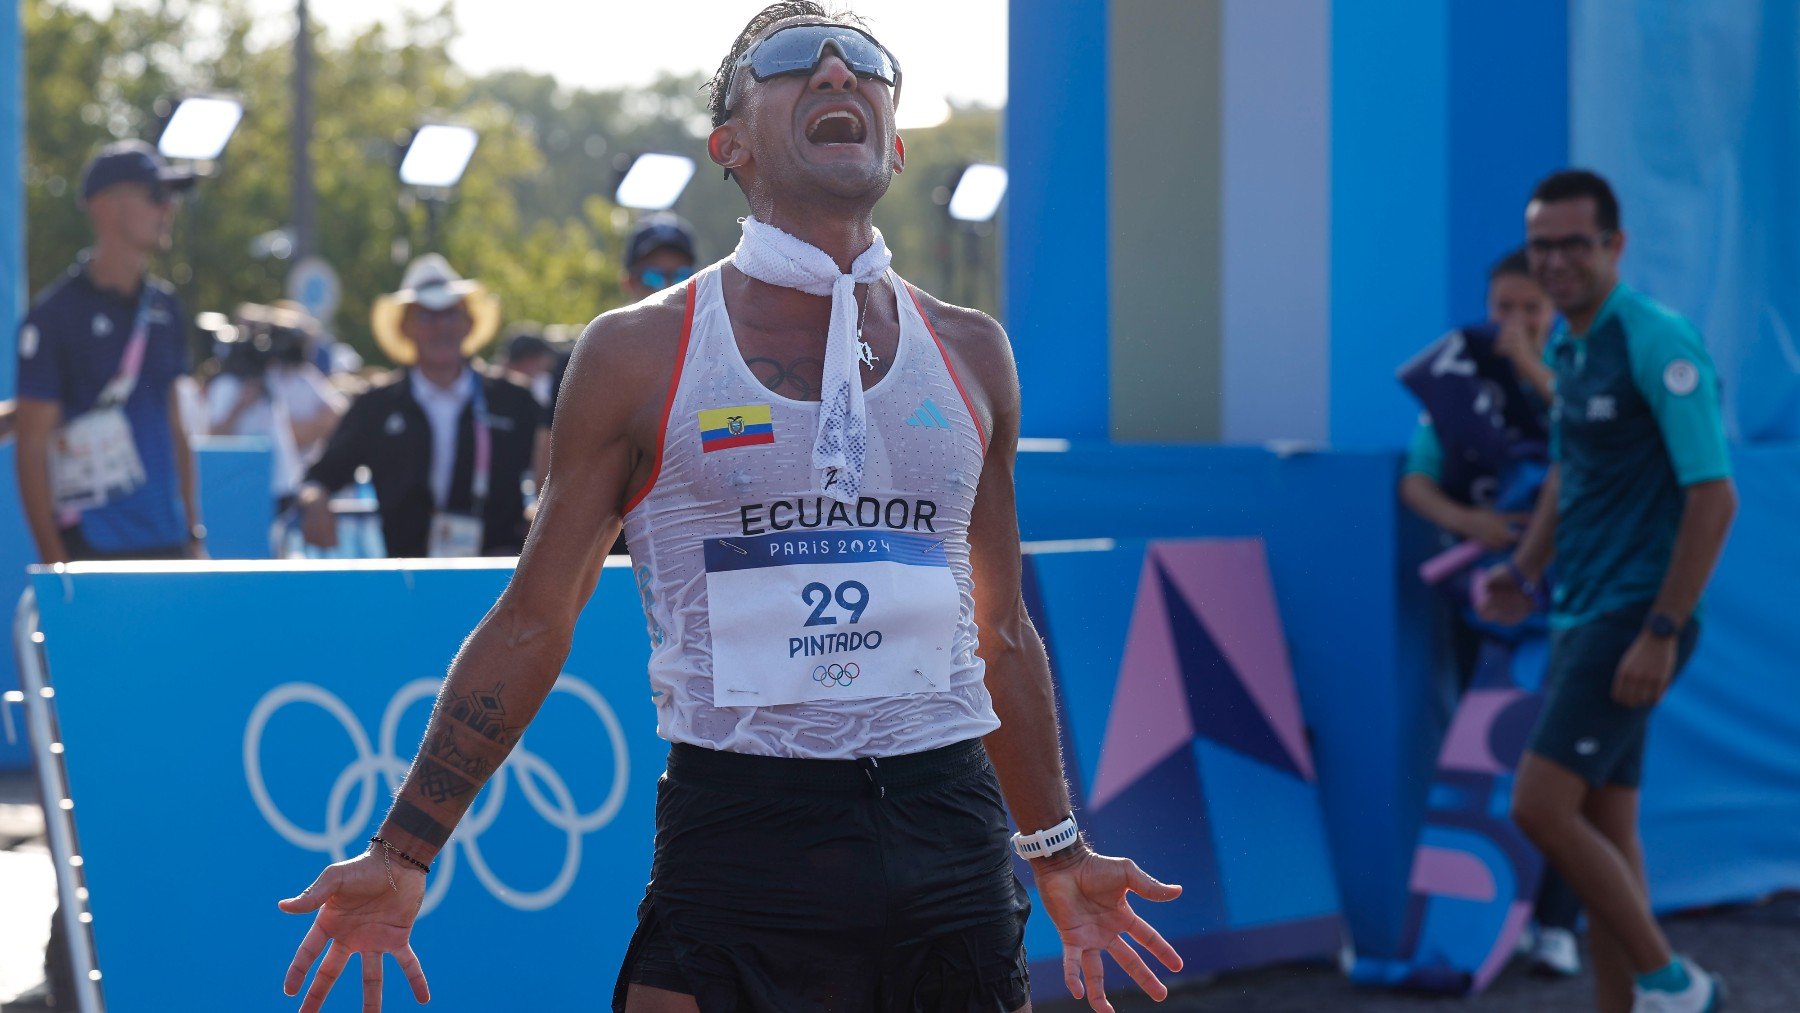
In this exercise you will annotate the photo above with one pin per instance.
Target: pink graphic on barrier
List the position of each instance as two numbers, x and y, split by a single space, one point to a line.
1224 586
1227 582
1467 746
1450 873
1149 718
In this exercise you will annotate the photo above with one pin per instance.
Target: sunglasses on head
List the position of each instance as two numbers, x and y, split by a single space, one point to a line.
656 280
799 48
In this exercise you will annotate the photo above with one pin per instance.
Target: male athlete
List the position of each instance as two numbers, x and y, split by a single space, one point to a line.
1638 504
813 463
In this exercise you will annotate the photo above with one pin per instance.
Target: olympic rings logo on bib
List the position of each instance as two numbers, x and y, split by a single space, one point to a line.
835 674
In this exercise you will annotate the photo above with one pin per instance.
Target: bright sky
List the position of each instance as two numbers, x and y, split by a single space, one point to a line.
949 49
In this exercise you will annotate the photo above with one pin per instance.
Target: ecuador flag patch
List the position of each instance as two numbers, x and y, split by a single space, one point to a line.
742 426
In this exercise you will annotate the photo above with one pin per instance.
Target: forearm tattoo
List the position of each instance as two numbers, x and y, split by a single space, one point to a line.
468 738
798 379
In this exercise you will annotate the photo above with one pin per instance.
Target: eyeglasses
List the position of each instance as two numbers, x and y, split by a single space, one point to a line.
798 49
1568 246
656 281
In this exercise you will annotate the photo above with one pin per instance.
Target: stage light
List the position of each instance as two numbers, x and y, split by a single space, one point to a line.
978 193
437 156
199 128
654 182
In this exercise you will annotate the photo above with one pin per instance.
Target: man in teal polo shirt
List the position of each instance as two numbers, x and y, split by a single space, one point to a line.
1635 513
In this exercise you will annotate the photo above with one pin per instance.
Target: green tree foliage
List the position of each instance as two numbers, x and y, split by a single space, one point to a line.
532 218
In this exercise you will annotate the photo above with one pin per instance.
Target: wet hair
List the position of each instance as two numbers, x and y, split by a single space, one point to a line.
1513 264
720 85
1574 184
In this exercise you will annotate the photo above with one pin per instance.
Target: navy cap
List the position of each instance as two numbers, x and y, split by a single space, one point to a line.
656 232
131 162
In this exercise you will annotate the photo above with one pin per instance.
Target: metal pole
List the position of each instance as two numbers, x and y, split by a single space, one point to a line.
301 156
53 785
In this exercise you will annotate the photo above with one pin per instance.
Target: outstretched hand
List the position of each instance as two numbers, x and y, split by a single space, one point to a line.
1085 894
361 910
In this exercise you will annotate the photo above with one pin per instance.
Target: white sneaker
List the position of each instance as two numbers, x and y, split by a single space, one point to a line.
1556 952
1704 994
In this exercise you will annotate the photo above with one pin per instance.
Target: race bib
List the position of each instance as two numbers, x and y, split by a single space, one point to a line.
454 536
94 460
818 616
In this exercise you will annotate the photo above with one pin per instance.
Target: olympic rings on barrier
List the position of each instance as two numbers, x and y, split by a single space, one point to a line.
836 674
385 769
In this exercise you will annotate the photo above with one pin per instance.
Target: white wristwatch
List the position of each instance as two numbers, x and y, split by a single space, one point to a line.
1045 843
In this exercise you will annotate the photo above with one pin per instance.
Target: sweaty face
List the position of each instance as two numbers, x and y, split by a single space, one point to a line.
828 131
1517 301
1575 260
438 334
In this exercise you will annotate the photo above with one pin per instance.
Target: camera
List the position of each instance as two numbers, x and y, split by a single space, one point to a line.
257 337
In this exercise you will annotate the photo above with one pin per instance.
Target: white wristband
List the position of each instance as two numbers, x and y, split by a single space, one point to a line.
1046 842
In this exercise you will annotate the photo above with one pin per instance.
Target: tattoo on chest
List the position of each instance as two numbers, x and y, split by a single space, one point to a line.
798 379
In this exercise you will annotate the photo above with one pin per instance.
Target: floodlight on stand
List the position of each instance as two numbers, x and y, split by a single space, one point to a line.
437 156
978 193
654 182
199 128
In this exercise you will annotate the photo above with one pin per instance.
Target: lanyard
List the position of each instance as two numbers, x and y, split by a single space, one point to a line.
118 390
484 447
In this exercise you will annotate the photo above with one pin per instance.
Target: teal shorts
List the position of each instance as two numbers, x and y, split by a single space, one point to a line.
1581 727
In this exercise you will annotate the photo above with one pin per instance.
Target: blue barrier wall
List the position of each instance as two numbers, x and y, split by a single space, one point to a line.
1721 809
1335 538
261 731
1721 815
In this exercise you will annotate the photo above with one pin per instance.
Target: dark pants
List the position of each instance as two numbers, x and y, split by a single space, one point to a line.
832 885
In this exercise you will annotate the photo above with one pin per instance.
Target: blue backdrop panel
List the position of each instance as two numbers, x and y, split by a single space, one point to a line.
1057 235
234 499
1390 205
1358 636
1689 110
1183 732
205 710
1721 810
235 475
12 189
1509 127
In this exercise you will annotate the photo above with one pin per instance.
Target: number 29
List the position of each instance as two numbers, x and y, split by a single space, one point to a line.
851 596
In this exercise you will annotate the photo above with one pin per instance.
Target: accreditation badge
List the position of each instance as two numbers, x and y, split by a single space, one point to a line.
94 461
822 615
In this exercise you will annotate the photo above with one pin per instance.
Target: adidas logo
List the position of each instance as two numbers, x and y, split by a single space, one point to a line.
929 417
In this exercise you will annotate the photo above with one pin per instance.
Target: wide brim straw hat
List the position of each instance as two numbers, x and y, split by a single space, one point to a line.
431 282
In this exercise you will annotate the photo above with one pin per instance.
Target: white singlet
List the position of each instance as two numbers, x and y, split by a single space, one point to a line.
783 623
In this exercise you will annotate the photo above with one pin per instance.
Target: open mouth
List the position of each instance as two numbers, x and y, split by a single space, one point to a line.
837 126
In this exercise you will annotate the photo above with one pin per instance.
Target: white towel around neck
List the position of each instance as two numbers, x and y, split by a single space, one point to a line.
774 257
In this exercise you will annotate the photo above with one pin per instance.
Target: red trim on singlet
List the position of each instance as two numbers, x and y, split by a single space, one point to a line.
662 432
942 351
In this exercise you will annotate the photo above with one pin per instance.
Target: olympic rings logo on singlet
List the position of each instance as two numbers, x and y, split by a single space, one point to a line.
836 674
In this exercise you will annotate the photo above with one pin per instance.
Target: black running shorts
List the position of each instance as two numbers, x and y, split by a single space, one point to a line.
1581 727
832 885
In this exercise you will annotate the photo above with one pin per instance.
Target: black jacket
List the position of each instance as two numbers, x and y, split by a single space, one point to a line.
386 430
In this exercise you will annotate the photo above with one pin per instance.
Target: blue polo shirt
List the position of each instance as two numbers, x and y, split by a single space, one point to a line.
70 347
1636 421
